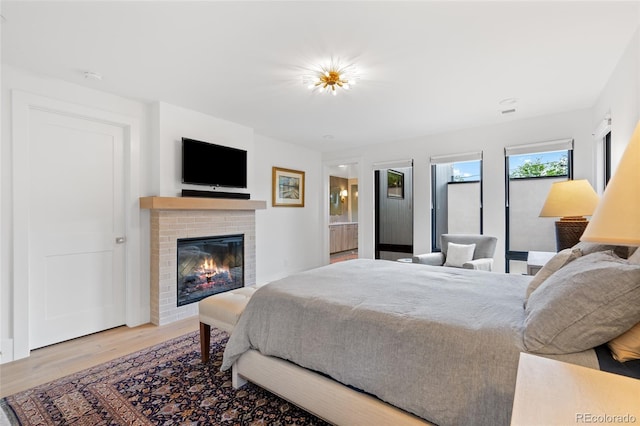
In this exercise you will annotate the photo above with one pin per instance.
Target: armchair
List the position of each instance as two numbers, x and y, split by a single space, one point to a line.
482 258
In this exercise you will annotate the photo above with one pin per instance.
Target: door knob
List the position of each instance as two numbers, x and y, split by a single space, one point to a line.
121 240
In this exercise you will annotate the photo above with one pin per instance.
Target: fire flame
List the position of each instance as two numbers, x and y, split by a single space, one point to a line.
209 266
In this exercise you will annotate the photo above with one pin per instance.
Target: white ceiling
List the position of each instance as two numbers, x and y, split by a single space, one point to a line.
426 67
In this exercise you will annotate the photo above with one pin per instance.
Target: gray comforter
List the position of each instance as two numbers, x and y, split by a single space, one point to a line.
442 343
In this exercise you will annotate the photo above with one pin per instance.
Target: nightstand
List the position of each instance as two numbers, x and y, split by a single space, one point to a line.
550 392
537 259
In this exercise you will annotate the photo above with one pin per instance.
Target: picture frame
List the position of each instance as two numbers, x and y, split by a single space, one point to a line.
287 187
395 184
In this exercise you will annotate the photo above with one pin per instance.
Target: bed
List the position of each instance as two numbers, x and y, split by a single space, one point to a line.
380 342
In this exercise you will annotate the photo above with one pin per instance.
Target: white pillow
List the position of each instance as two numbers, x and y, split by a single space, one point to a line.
459 254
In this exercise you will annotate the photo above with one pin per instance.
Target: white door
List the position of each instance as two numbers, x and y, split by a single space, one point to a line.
76 213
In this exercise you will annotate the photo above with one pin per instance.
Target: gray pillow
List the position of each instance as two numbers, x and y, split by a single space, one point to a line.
561 259
582 305
588 248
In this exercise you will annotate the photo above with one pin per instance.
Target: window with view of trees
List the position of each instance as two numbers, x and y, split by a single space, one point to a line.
530 171
538 165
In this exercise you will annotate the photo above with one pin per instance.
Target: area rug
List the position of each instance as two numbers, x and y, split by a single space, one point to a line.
163 385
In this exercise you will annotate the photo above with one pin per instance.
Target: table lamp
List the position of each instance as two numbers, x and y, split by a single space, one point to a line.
616 220
570 200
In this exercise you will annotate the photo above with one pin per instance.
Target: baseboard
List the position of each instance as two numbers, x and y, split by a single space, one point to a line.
6 350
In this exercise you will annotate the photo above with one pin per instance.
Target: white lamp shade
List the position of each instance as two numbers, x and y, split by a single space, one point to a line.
617 217
570 198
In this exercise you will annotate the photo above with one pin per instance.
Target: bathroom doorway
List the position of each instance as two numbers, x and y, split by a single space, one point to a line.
343 212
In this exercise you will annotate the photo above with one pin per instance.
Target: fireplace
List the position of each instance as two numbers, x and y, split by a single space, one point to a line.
209 265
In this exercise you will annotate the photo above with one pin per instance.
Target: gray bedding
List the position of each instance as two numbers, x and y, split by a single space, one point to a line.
442 343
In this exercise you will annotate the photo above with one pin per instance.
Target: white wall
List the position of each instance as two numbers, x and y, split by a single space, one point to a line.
288 239
492 140
621 99
173 123
4 308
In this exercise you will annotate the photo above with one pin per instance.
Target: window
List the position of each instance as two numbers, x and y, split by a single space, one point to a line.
602 138
606 147
543 164
466 171
456 196
529 172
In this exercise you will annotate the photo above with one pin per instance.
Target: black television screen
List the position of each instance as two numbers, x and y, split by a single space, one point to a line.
205 163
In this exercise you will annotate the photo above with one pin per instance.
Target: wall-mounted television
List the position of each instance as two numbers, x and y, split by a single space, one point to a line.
204 163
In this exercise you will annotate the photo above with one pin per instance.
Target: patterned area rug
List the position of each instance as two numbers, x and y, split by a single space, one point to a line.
166 384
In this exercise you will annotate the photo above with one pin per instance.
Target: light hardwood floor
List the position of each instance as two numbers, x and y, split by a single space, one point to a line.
55 361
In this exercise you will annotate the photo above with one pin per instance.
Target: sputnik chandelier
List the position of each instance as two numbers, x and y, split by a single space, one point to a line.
331 77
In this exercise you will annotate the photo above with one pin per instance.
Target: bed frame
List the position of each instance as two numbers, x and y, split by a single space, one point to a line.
318 394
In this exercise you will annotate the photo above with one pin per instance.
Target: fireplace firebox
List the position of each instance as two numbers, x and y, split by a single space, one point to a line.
209 265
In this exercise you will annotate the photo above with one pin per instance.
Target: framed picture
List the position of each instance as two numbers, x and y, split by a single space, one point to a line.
288 188
395 184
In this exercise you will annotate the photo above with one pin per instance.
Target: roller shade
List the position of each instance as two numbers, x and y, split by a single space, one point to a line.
456 158
603 128
392 164
549 146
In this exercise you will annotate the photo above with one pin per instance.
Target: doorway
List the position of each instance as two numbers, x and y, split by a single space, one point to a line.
76 267
343 212
75 174
393 197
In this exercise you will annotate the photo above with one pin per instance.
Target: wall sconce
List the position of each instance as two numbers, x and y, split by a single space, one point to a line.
343 195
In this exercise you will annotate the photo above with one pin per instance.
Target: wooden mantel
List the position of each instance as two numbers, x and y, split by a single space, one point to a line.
193 203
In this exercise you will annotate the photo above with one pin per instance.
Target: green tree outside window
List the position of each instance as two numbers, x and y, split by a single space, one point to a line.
538 168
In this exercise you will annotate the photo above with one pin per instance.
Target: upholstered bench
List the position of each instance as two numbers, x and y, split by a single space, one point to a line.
221 311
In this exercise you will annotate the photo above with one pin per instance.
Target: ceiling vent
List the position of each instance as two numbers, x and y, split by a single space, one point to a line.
508 105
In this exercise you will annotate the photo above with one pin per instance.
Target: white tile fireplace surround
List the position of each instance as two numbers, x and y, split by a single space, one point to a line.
183 217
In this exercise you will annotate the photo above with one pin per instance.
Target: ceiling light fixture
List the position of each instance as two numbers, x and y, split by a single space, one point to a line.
330 77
